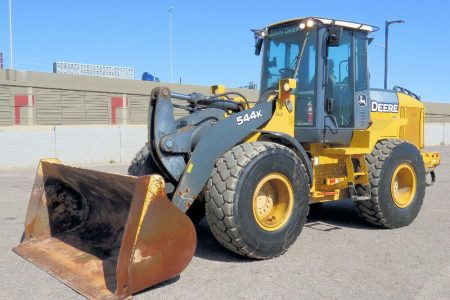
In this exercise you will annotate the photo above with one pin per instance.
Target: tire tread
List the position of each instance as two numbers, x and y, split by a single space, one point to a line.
370 210
220 191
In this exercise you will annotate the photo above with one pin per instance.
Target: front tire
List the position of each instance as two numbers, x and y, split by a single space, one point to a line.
257 199
397 183
143 164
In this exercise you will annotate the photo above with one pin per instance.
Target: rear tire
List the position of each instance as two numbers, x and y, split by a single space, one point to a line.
245 177
142 164
397 184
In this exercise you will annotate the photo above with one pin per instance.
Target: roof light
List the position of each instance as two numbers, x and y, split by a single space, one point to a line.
264 34
310 23
302 25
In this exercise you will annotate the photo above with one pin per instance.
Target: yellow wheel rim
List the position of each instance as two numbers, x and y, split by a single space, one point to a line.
273 201
403 185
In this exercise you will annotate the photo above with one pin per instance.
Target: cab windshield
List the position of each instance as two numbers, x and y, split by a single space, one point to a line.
283 58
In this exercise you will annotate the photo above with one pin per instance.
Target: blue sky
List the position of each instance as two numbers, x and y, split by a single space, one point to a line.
212 41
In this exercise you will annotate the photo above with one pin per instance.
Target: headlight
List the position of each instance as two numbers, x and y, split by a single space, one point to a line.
310 23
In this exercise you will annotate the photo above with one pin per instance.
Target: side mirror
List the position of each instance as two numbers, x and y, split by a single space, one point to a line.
334 36
258 45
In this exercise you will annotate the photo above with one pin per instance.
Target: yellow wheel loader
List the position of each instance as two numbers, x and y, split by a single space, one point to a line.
317 133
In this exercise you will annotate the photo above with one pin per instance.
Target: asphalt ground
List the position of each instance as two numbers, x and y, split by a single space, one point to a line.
337 255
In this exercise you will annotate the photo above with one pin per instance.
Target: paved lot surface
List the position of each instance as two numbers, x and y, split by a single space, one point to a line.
336 256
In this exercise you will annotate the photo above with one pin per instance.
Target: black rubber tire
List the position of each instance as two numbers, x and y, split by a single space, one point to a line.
142 164
381 210
139 165
229 192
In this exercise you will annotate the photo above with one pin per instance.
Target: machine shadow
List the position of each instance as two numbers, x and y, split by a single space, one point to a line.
209 248
336 215
159 285
323 217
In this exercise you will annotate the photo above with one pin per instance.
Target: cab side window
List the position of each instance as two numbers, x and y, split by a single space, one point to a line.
306 80
361 80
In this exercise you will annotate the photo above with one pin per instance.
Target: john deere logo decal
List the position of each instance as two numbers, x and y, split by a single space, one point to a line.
384 107
362 100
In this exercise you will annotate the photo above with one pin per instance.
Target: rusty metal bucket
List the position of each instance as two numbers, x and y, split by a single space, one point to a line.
104 235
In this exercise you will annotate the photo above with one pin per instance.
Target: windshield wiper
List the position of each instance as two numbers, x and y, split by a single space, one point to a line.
300 56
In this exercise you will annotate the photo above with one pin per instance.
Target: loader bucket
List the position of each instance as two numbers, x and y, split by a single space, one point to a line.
104 235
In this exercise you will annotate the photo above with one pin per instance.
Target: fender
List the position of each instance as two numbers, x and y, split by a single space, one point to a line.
213 144
288 140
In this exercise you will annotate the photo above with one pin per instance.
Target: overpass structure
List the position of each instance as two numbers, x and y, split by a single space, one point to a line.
32 98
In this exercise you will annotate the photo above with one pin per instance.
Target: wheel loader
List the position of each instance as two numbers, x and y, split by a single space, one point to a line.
317 133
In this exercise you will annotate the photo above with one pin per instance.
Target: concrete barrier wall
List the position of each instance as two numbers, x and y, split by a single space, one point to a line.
434 134
437 134
24 146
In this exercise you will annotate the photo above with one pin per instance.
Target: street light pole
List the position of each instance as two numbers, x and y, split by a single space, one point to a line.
10 38
170 42
386 46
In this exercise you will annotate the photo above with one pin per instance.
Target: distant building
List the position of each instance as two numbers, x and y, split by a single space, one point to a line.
70 68
146 76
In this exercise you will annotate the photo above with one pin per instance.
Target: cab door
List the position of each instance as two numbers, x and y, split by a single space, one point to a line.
346 90
339 91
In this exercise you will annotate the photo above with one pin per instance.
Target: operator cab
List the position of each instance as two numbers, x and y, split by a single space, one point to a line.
328 58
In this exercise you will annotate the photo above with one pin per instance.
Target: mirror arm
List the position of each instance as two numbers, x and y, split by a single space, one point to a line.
334 36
